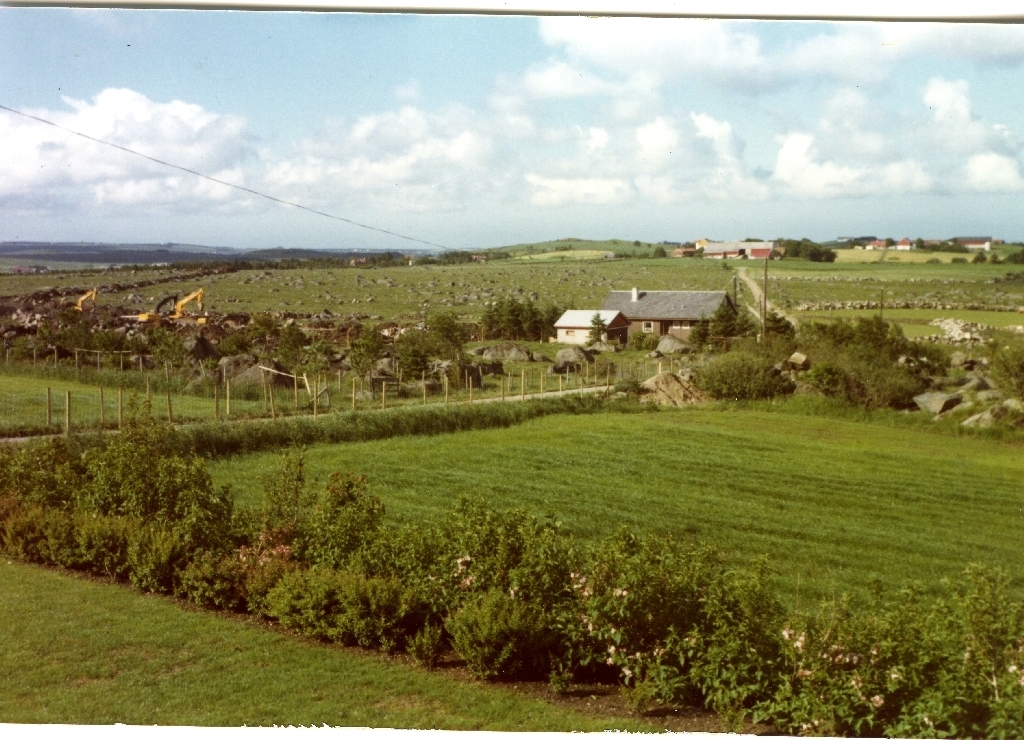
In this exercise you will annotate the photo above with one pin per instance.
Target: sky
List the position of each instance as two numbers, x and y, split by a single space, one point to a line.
481 131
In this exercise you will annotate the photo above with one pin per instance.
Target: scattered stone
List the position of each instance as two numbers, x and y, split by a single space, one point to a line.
668 389
798 361
654 354
603 346
199 348
986 396
255 375
538 357
936 402
234 365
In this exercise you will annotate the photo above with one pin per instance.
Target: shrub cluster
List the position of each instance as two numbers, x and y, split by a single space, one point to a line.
869 362
516 597
741 376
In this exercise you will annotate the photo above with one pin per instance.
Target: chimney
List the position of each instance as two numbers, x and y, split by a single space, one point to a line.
636 295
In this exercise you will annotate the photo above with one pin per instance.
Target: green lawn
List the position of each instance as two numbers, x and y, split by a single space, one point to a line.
833 503
80 652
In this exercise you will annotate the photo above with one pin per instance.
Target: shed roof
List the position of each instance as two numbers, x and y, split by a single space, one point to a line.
576 319
666 304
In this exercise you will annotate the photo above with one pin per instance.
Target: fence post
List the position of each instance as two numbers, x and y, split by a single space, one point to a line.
353 392
295 390
423 382
98 356
149 395
120 407
102 419
55 357
542 383
263 385
227 397
446 389
522 385
503 388
120 357
383 392
270 390
559 385
170 413
216 402
49 406
167 371
340 390
67 412
76 359
470 386
316 396
33 357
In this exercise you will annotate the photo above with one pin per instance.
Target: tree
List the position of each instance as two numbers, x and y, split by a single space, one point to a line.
413 350
700 335
597 328
366 351
659 252
290 342
980 258
448 334
778 325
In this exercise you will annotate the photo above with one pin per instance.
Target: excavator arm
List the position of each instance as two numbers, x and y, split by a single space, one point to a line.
179 306
90 296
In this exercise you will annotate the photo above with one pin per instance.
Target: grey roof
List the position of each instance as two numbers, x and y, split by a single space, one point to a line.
666 304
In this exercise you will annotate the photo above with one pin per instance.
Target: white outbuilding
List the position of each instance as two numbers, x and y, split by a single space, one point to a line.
573 327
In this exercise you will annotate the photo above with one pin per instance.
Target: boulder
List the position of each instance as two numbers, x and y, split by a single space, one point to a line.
987 396
986 418
386 365
235 365
254 375
603 346
573 354
538 357
798 361
654 354
668 389
975 384
670 345
477 351
957 359
507 352
1014 404
489 368
937 403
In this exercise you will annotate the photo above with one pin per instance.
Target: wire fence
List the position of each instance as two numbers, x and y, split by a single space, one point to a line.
54 399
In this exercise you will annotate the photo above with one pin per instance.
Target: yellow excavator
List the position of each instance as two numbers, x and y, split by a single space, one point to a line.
90 296
179 310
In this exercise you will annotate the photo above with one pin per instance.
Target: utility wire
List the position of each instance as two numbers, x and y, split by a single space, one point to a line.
222 182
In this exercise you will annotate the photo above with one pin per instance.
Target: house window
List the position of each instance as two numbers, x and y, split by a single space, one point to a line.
570 332
648 327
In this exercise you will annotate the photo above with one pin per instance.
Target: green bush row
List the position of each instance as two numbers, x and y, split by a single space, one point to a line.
517 597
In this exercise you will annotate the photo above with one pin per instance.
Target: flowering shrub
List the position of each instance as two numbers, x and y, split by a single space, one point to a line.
500 636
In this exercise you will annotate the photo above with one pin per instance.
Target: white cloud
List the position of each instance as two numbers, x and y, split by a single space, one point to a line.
657 142
558 191
994 173
408 92
44 166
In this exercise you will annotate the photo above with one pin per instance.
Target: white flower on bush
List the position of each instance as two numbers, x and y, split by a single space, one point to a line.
627 673
799 644
611 650
620 592
877 701
1012 669
894 676
462 563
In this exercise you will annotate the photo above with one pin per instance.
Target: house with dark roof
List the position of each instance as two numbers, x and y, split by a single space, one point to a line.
660 312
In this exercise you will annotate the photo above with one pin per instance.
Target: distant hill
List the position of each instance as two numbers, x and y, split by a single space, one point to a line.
150 254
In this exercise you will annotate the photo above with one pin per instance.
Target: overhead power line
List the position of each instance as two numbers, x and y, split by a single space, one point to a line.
222 182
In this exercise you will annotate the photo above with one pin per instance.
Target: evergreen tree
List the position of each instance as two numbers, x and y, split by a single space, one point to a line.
597 328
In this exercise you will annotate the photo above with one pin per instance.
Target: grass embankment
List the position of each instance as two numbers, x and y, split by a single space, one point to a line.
834 503
105 654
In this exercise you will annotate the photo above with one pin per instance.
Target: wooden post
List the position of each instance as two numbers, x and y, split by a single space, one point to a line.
659 368
98 356
502 381
423 382
120 356
881 301
339 383
522 385
446 389
216 402
149 393
270 392
607 377
353 392
295 388
384 393
49 407
263 385
470 378
316 396
67 412
542 383
559 385
76 359
227 397
581 383
587 371
55 357
120 407
167 371
102 419
170 413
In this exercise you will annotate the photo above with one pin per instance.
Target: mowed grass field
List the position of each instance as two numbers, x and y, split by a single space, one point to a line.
834 504
82 652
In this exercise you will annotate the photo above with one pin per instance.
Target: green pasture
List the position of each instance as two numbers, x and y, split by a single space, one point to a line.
81 652
915 322
833 503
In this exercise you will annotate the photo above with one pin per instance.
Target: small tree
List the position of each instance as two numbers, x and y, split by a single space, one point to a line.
659 252
598 327
778 325
1009 366
366 351
448 333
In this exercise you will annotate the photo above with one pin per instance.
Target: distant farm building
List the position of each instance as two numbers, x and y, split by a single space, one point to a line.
738 250
904 245
975 242
684 251
573 327
660 312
